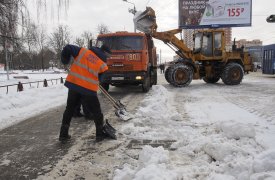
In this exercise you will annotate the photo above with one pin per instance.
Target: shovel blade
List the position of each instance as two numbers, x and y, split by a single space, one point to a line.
123 114
109 131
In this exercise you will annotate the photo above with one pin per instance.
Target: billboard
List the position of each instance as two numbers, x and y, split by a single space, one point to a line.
214 13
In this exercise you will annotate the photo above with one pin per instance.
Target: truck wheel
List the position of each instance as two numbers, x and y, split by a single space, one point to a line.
232 74
146 84
166 74
105 86
181 75
211 80
154 77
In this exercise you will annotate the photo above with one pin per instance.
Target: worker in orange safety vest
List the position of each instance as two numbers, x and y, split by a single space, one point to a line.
87 67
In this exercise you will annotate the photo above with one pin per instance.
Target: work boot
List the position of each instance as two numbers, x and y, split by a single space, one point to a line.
100 137
64 133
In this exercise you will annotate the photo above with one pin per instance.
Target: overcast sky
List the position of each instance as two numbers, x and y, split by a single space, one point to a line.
88 14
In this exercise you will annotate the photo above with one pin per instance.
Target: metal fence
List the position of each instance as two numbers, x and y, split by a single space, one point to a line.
44 83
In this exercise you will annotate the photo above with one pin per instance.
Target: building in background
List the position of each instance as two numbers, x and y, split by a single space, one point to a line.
228 38
188 37
245 43
256 53
255 49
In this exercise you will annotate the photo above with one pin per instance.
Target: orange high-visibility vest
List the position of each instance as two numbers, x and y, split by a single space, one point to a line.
85 69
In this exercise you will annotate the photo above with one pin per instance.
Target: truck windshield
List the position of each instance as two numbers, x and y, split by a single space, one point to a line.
122 42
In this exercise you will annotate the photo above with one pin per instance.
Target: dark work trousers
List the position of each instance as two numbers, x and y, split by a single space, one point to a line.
78 109
90 102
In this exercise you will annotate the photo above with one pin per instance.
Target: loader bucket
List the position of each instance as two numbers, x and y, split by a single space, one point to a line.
146 21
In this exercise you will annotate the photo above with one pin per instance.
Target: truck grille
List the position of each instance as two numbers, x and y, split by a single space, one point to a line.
125 67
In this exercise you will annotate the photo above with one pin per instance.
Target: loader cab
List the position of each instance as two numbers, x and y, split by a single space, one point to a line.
208 43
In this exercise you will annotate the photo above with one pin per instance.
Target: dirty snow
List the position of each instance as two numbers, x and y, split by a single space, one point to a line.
217 132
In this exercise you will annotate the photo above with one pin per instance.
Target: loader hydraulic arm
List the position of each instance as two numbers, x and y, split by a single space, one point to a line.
169 38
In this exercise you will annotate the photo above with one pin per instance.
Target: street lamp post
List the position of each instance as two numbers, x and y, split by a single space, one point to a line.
133 11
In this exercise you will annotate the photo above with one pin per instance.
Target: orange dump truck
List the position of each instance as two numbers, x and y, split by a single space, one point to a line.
133 60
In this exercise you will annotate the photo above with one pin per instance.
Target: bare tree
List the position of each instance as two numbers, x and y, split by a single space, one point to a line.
102 29
31 41
15 14
41 41
58 39
9 11
79 42
87 36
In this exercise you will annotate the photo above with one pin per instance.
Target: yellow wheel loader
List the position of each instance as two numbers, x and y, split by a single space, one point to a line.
208 60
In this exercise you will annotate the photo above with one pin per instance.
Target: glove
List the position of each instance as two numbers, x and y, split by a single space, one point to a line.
101 78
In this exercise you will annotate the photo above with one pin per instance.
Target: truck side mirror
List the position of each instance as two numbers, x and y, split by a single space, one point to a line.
271 18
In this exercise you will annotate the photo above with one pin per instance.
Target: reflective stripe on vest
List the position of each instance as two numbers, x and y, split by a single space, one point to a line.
83 78
102 67
80 56
87 68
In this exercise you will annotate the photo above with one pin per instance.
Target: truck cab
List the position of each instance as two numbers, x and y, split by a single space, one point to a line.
133 60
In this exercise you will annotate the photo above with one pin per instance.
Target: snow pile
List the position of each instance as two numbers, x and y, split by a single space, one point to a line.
29 103
208 145
17 106
154 115
235 130
153 164
264 162
158 105
264 166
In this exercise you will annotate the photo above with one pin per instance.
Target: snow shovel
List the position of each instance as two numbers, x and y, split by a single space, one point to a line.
109 130
120 108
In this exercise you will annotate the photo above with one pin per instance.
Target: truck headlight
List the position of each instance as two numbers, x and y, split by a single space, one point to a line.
138 77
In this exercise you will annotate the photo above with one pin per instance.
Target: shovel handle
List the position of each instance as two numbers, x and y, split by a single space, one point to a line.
116 104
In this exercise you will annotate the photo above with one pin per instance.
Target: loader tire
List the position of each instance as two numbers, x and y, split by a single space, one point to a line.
211 80
181 75
232 74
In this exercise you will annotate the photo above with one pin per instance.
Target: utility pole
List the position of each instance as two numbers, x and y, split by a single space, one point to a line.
6 46
132 11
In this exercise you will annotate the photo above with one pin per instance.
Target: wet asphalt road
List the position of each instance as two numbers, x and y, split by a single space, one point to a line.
31 148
